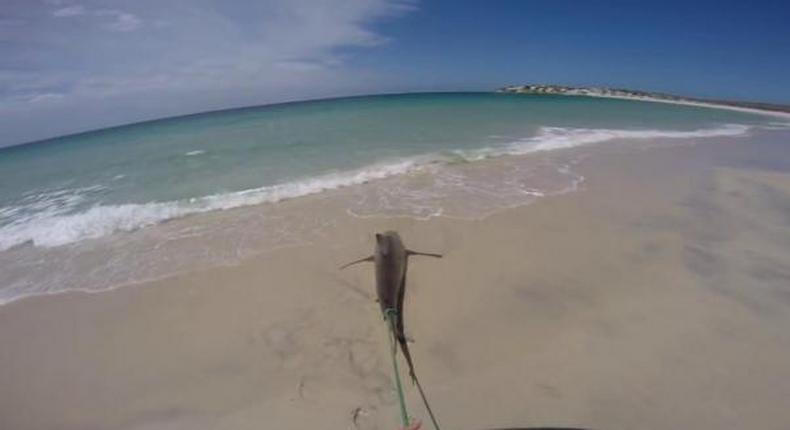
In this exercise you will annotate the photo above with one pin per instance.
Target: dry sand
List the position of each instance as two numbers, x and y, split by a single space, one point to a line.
656 298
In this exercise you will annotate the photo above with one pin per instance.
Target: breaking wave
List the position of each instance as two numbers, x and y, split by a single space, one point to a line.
64 223
551 138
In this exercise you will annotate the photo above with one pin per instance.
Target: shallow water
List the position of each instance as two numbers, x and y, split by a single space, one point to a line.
87 211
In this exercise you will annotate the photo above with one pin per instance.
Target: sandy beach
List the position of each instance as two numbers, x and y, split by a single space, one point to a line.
656 297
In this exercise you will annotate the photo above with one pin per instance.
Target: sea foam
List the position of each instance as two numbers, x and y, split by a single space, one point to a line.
552 138
54 228
60 225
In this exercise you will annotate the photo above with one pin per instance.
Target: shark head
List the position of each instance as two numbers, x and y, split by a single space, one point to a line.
388 242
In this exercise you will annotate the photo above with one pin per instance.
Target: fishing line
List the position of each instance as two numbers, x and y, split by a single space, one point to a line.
391 314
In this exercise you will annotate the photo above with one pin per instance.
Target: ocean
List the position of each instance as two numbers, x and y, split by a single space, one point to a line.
127 204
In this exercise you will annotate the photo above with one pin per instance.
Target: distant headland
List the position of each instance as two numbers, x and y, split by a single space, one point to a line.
620 93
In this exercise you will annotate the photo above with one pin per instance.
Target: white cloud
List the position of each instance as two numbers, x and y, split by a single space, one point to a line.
113 19
194 55
121 21
75 10
36 98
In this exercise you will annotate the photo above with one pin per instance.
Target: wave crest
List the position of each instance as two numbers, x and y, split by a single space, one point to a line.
552 138
55 228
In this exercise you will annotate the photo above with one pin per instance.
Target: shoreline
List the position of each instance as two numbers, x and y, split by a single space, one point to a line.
555 313
335 202
780 111
71 228
681 102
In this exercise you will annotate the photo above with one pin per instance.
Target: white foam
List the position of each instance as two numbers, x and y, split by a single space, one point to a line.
776 125
54 228
195 152
47 222
551 138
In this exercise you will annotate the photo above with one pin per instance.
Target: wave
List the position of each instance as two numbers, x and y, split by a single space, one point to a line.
55 229
776 125
52 228
552 138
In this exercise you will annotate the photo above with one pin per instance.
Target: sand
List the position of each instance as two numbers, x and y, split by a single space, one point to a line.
656 297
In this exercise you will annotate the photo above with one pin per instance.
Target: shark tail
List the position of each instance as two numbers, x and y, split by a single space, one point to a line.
405 349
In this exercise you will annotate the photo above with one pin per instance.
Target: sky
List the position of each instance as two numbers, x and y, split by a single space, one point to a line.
68 66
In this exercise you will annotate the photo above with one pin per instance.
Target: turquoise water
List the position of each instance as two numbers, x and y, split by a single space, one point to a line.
64 191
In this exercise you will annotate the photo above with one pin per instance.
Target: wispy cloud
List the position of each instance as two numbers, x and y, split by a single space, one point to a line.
36 98
110 19
119 20
74 10
80 65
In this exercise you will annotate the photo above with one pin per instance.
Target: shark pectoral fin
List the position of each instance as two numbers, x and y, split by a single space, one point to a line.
427 254
361 260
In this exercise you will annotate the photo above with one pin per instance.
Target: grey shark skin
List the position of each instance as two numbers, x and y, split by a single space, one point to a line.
391 259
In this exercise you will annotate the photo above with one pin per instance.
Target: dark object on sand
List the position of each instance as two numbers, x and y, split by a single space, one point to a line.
391 259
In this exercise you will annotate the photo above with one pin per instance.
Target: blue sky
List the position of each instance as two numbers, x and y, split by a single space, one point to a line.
68 66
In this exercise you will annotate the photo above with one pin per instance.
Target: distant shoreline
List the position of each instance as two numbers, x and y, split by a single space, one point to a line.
709 104
776 110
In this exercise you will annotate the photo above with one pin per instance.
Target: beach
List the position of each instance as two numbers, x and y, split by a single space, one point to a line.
137 203
653 296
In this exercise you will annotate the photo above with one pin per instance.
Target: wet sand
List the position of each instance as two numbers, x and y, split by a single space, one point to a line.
657 297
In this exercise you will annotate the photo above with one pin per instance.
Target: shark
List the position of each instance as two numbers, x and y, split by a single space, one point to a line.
391 260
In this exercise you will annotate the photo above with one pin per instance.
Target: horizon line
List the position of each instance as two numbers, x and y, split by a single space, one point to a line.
355 96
